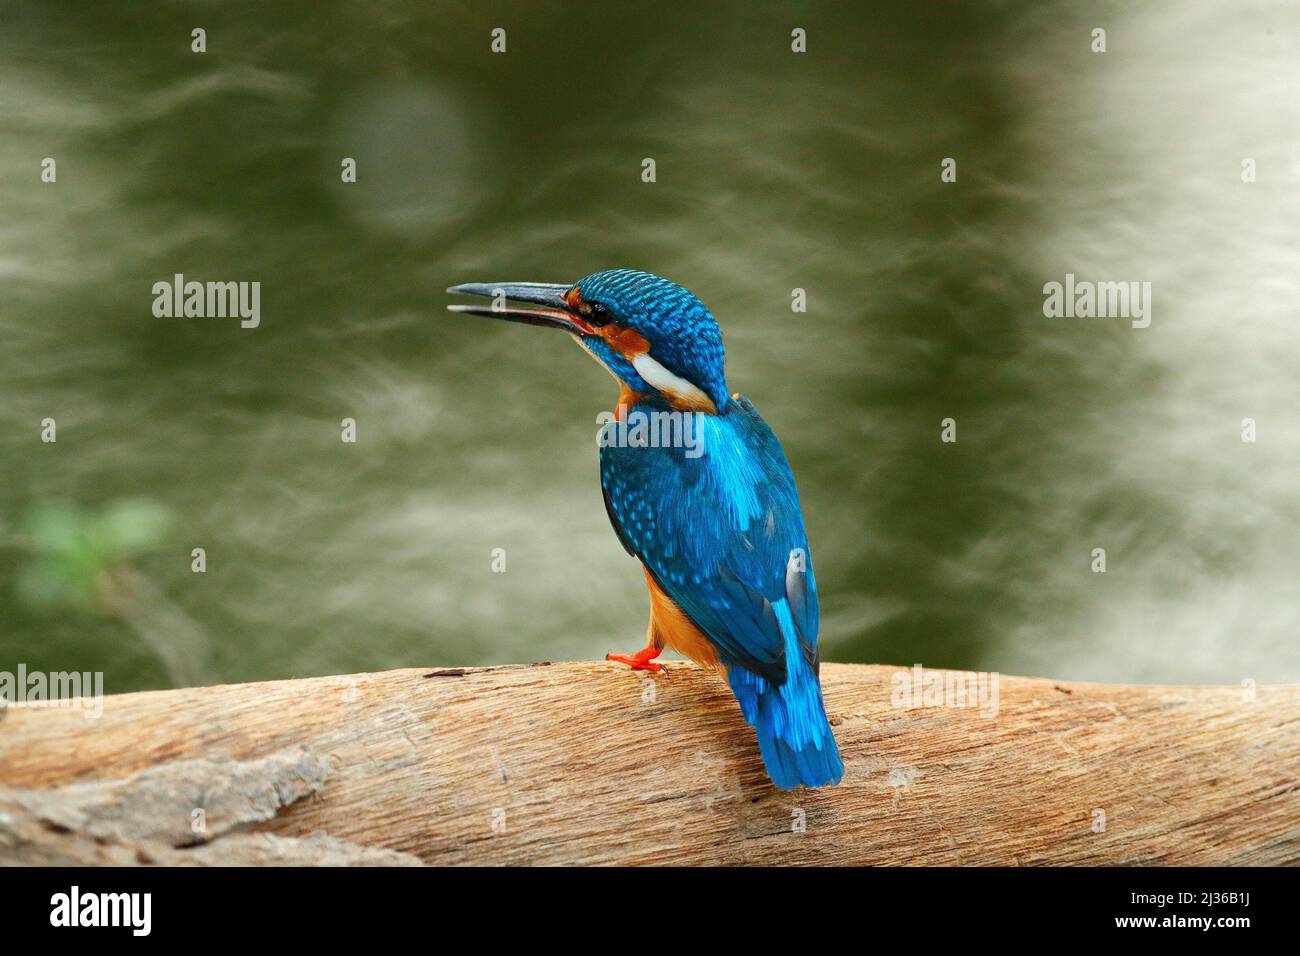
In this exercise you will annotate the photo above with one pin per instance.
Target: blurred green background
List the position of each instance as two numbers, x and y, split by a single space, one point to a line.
775 170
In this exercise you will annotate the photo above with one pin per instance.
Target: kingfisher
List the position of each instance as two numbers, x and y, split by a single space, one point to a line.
715 521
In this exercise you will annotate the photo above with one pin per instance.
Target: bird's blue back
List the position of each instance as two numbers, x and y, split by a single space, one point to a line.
723 535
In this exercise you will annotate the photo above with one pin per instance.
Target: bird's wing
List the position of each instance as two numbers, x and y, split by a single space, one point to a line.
722 534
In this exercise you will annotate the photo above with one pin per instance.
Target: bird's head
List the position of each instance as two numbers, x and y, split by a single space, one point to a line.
656 338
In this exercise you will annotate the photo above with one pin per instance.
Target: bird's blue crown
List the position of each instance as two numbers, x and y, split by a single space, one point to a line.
683 335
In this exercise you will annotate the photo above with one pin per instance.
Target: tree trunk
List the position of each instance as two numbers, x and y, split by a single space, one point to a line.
592 763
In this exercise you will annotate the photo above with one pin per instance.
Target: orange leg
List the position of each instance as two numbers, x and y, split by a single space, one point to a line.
642 660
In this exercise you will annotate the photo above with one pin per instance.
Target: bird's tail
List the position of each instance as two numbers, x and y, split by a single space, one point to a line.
790 722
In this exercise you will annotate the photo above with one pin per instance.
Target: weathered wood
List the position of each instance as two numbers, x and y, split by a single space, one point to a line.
592 763
172 814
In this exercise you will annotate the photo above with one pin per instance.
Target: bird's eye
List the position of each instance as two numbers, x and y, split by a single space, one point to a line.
597 314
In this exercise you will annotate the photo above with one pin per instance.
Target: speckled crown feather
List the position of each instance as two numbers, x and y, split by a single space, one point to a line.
684 337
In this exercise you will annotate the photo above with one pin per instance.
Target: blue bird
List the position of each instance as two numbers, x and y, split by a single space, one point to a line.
698 489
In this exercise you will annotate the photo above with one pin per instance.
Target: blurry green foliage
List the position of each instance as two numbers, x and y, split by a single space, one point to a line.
75 551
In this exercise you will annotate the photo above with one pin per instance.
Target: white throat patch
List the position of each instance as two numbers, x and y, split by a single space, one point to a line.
672 385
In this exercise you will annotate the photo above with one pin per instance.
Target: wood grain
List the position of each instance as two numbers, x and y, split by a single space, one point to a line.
589 763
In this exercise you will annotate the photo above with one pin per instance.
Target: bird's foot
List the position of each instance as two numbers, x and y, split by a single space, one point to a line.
642 660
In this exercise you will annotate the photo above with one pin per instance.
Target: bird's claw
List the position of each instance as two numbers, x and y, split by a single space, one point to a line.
640 661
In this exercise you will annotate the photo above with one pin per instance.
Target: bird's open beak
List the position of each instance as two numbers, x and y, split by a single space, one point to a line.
557 313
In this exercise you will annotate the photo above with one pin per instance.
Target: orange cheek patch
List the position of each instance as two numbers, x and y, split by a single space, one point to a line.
626 342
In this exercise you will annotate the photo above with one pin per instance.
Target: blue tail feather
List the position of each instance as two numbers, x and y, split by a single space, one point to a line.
793 733
790 723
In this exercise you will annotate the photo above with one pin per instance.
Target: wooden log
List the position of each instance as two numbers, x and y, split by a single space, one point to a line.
590 763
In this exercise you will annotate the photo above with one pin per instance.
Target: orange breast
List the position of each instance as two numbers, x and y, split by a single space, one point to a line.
669 626
626 399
